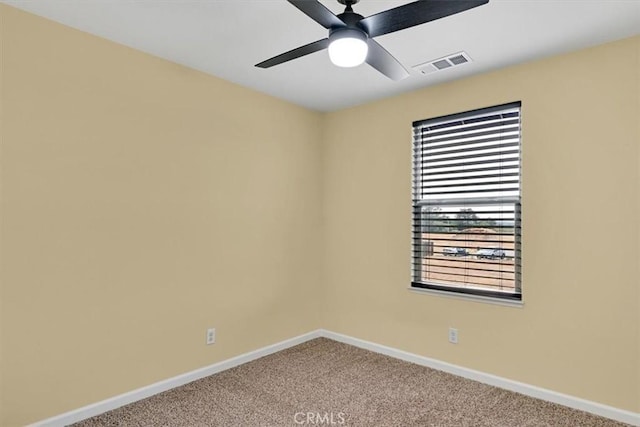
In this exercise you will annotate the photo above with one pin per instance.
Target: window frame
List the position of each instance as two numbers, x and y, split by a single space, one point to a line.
418 202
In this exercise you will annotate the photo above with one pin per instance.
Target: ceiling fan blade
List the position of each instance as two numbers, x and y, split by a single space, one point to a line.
383 61
295 53
415 13
318 12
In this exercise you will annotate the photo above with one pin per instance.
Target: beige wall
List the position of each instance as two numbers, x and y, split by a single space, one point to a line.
142 202
579 330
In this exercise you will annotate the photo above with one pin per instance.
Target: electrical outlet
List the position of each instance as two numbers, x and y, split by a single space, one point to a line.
211 336
453 335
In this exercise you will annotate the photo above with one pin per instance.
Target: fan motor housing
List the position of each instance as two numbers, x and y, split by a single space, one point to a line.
351 19
351 32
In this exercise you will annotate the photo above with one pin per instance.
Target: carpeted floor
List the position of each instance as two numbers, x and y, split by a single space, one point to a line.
323 382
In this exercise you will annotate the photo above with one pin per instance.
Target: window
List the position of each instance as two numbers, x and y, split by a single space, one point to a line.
466 203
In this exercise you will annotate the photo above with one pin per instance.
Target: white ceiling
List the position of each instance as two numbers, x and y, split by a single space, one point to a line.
226 38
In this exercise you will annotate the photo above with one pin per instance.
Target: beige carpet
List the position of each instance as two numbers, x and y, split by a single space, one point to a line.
323 382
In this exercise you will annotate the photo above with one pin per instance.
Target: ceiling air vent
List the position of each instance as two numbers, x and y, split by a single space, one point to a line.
448 61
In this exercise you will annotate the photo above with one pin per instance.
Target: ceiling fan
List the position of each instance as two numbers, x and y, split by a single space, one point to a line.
350 40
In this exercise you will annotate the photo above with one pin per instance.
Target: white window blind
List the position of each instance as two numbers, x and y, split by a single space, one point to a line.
466 202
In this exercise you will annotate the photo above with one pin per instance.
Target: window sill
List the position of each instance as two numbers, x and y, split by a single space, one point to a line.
468 297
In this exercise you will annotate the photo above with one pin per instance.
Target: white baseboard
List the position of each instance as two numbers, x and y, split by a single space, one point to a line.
526 389
610 412
148 391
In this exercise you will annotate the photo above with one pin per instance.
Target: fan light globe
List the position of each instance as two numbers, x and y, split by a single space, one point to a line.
348 48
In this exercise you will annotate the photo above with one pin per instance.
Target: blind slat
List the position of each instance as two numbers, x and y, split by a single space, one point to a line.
484 129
